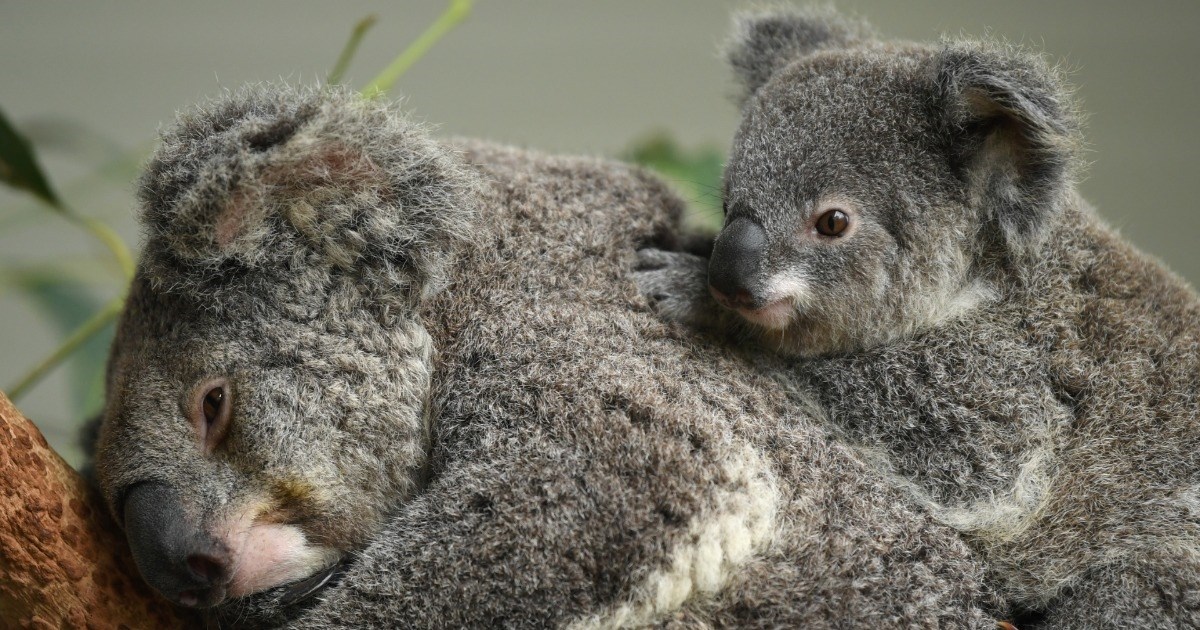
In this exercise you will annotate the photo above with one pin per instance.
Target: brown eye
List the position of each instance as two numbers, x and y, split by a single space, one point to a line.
833 223
211 412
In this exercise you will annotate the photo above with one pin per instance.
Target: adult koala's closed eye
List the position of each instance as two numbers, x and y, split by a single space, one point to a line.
590 466
903 219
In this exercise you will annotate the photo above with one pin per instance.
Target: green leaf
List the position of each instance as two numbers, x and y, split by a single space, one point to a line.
695 173
19 167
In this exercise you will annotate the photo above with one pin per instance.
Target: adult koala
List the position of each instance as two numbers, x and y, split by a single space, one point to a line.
365 379
904 219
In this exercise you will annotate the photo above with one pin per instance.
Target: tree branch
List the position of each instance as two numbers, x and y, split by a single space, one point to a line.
63 561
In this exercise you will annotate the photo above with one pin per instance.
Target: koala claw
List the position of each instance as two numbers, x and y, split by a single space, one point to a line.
676 286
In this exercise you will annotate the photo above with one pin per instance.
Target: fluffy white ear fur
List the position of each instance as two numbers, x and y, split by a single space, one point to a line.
1015 127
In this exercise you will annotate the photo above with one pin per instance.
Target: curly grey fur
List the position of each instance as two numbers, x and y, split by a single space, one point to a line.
1029 376
590 466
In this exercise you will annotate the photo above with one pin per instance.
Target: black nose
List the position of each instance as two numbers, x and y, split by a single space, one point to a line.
736 262
174 556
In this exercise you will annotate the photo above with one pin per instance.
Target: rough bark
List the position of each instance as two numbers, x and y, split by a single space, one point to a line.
63 561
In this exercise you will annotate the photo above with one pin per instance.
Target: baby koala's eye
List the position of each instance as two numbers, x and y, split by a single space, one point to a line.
833 223
211 412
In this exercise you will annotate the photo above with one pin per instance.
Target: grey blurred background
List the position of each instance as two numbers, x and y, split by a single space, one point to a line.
89 83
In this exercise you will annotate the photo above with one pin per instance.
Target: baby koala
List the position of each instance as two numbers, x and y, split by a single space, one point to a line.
902 219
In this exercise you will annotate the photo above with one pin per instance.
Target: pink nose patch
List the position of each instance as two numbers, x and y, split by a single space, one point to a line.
266 555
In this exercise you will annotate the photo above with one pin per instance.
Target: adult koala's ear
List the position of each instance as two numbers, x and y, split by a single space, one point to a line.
1012 127
279 181
767 39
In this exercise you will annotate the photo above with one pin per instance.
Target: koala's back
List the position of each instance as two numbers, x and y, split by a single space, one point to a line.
614 471
1060 425
1124 349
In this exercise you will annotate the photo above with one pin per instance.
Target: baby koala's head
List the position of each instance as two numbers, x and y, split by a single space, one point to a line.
872 186
268 386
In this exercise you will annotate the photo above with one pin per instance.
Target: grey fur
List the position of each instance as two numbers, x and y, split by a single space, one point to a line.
980 333
590 465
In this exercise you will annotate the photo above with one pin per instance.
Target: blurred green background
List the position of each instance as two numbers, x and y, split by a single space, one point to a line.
89 83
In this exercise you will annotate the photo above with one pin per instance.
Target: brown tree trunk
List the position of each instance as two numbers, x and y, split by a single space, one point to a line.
63 561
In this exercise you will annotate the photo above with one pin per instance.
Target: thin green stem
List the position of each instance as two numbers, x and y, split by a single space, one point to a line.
89 328
111 240
106 235
451 17
351 47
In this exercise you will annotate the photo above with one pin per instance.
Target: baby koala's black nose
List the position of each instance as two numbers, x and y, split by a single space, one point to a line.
173 555
736 264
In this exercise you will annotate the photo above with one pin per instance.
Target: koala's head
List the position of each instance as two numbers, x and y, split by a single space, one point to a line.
873 188
269 382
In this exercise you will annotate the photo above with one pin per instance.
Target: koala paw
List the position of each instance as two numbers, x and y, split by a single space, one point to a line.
676 286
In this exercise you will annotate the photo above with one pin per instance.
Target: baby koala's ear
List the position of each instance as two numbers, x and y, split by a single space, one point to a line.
273 179
1011 124
767 39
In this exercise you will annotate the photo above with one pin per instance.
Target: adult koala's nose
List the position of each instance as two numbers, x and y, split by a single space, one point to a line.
735 267
173 555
